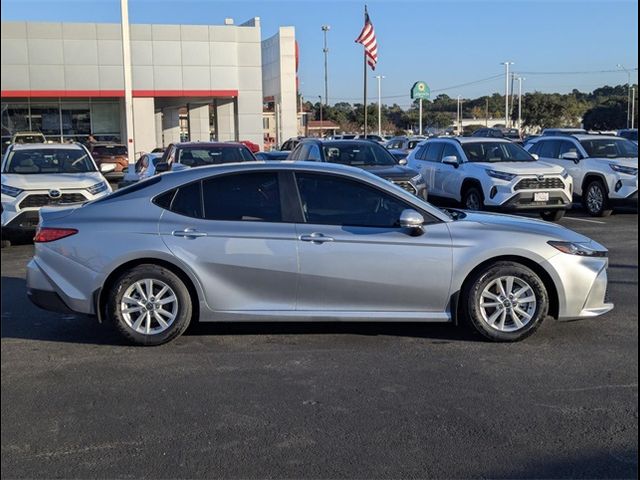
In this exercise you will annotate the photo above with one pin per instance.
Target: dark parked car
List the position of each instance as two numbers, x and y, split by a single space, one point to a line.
274 155
365 154
198 154
110 154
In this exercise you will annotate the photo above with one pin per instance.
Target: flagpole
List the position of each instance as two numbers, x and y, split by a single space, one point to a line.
365 78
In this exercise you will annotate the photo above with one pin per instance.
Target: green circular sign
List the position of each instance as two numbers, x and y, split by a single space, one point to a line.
420 90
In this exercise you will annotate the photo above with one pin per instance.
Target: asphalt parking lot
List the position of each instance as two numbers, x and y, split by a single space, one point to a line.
324 400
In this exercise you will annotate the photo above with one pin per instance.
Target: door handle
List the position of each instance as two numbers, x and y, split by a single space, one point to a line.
316 238
188 233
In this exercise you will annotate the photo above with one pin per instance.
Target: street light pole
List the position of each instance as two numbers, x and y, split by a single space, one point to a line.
520 79
325 29
459 115
633 107
380 77
506 93
622 67
321 129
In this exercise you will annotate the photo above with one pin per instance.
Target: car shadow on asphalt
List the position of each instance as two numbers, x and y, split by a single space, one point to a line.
23 320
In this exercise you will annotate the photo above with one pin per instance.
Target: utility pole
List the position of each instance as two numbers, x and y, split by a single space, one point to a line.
633 107
420 117
506 93
325 29
520 79
622 67
459 115
128 96
321 126
380 77
486 113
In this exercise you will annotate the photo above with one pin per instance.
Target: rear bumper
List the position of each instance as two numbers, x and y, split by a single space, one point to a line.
48 300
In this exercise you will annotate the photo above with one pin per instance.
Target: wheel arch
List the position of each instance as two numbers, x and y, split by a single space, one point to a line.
100 298
467 183
591 176
547 280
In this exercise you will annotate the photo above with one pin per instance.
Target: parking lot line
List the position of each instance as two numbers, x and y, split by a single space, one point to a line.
584 220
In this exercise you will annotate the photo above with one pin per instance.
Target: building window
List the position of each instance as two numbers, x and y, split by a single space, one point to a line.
265 123
45 118
76 121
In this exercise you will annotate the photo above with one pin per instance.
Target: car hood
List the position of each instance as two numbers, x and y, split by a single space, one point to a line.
625 161
392 172
522 168
46 181
515 224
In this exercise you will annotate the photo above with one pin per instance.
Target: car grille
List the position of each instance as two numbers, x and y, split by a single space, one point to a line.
42 200
535 184
406 186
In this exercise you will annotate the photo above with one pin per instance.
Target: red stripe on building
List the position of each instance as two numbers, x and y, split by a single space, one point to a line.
115 93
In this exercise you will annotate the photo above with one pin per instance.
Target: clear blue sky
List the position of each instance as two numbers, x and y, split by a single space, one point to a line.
444 43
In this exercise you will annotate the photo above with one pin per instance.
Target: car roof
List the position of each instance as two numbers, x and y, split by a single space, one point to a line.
209 144
465 140
578 136
40 146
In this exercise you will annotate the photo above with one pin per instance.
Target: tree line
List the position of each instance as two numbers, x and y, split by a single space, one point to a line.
605 108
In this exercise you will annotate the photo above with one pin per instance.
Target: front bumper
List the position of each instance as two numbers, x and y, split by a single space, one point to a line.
630 201
581 285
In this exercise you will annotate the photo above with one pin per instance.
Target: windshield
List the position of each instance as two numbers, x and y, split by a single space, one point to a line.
214 155
610 148
496 152
110 150
357 154
630 135
48 160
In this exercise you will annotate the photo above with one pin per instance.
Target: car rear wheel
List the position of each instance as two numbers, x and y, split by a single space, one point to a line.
505 302
596 200
472 199
149 305
552 215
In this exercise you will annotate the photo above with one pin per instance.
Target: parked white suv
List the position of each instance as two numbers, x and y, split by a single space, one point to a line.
604 168
492 174
37 175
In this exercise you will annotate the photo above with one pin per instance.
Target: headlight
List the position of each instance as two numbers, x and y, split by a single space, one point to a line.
622 169
97 188
11 191
501 175
580 249
565 174
417 180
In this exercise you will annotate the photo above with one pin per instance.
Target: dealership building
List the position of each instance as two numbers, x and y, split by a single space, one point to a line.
189 82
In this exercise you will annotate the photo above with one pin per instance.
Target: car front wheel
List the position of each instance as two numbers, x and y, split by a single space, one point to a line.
505 302
472 199
596 200
149 305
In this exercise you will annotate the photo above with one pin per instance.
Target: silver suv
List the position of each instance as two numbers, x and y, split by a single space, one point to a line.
604 168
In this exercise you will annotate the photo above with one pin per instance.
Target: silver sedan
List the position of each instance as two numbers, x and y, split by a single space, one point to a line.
305 241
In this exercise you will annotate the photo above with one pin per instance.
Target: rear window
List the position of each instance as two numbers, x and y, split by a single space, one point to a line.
136 187
610 148
113 150
197 157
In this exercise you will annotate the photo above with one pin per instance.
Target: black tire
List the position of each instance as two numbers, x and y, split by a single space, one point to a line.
593 207
552 215
472 292
153 272
472 199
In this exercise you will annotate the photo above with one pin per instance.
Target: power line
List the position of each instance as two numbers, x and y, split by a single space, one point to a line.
584 72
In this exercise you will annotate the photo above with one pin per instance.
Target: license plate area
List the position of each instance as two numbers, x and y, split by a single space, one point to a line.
541 197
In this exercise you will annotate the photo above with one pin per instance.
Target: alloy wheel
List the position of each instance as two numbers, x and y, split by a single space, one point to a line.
149 306
473 201
595 198
508 304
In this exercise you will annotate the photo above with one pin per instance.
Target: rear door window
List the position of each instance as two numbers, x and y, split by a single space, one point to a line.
434 153
549 149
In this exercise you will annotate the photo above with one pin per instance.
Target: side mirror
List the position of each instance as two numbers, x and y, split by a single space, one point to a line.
402 161
574 156
107 167
535 156
451 160
162 167
412 220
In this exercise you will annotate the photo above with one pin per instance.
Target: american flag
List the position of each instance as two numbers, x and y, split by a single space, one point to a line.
367 38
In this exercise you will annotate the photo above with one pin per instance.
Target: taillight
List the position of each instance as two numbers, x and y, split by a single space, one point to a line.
45 234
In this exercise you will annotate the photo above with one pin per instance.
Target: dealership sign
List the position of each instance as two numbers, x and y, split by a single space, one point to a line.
420 90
